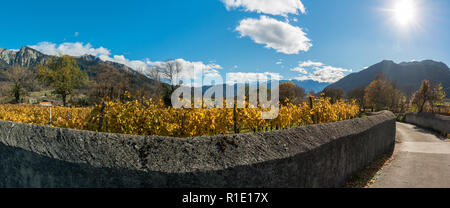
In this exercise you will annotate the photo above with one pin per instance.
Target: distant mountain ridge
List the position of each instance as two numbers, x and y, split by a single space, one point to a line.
408 75
309 85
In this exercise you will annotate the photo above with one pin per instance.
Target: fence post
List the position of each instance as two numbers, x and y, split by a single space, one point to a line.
182 121
101 117
311 105
236 131
50 116
106 123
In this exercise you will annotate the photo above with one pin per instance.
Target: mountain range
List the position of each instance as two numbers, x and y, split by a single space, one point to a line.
100 72
407 76
29 57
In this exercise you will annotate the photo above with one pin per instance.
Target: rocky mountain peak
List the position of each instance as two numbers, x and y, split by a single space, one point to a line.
25 57
8 56
89 58
29 57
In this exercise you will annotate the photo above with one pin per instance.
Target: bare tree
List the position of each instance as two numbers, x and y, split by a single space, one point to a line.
178 69
20 80
170 71
154 73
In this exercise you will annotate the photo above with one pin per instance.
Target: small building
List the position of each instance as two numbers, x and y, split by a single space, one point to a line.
46 103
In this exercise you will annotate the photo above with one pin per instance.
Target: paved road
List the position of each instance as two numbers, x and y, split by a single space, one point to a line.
421 160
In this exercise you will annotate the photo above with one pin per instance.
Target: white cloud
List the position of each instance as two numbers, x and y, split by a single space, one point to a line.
137 65
76 34
191 72
72 49
299 70
279 62
320 72
272 7
310 63
281 36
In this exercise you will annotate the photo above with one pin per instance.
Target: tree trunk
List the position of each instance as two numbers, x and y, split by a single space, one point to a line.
64 96
16 91
421 107
17 96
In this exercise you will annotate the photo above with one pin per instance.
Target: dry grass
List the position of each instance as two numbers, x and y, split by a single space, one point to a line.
369 176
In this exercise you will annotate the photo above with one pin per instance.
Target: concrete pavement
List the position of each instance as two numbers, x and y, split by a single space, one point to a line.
421 160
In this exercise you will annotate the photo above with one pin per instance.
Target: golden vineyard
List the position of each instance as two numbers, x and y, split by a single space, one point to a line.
147 117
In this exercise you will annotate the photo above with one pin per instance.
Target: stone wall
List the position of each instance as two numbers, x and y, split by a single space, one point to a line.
324 155
436 122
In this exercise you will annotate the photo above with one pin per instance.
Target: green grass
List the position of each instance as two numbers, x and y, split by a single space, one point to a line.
40 94
362 115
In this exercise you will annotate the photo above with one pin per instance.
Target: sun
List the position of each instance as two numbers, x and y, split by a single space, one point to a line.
404 12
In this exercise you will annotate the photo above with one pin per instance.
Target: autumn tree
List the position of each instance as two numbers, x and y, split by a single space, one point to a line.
422 96
358 95
428 93
374 94
398 100
438 95
334 93
381 94
292 92
63 75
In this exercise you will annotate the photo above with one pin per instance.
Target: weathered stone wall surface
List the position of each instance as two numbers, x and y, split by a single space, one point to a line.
324 155
428 120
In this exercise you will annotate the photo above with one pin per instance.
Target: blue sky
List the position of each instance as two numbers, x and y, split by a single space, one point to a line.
303 39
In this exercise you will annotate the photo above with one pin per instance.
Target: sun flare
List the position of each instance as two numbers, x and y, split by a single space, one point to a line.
405 12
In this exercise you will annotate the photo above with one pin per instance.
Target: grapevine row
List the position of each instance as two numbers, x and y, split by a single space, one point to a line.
147 117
